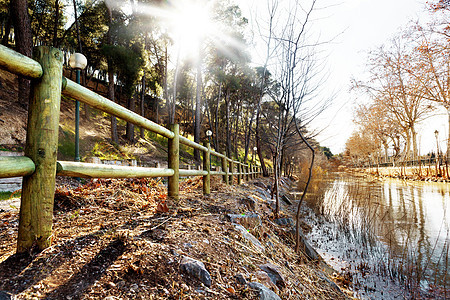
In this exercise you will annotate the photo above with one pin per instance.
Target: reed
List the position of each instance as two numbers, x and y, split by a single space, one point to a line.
395 244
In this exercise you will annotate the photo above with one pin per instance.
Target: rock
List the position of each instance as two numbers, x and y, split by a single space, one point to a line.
264 193
264 292
240 279
305 247
249 237
248 220
329 282
156 234
260 184
264 278
249 202
6 296
286 199
257 198
195 268
274 274
284 221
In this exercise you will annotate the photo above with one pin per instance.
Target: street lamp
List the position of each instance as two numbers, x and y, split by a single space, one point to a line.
436 134
254 150
209 134
78 62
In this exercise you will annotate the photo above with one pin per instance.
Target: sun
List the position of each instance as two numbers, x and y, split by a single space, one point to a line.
190 24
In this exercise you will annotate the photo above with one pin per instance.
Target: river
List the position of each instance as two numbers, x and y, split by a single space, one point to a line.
389 237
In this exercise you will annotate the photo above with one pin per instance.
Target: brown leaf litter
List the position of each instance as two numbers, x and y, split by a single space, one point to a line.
110 241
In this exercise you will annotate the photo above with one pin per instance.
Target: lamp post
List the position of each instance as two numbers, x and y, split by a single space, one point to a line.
254 150
436 134
78 62
209 134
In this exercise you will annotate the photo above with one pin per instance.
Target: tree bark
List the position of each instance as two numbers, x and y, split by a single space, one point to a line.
228 139
130 126
141 130
111 93
24 42
197 121
448 138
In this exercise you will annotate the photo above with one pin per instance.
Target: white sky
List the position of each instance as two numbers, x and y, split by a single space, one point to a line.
359 26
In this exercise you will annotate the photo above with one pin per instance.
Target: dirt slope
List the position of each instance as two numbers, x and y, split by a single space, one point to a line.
114 238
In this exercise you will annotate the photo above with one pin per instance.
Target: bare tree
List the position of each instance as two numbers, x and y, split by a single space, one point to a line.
297 75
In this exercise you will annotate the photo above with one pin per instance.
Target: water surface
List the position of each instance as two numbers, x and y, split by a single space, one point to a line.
391 236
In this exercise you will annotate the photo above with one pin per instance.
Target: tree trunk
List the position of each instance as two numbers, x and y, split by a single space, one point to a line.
174 95
248 133
141 130
111 92
276 184
197 121
55 27
130 126
448 138
228 134
5 38
414 143
258 145
24 42
216 118
166 92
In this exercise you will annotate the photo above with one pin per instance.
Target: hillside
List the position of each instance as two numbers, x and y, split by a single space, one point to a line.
118 239
122 239
94 129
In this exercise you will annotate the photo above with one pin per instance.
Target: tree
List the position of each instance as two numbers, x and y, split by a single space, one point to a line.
297 76
397 95
24 42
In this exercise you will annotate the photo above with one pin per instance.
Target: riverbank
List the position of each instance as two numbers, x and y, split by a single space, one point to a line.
429 173
389 236
121 239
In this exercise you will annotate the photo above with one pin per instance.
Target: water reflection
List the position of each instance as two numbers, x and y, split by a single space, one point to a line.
403 228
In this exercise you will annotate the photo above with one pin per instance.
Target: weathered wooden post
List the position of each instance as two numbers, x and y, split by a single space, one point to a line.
38 189
247 171
207 167
225 168
239 174
231 165
174 162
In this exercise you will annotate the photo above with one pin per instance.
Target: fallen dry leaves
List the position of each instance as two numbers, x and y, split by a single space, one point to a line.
124 239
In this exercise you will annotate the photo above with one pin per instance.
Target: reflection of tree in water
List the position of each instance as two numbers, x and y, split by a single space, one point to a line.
396 214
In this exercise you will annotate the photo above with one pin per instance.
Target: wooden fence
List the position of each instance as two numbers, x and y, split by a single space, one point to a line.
39 166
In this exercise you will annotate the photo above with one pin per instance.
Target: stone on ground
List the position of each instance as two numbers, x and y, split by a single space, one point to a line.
196 269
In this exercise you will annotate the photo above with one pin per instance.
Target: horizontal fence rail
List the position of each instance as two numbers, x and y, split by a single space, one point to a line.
19 64
16 166
88 170
82 94
39 165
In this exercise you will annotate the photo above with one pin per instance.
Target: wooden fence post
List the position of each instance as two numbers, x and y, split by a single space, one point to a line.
174 162
247 176
231 165
207 167
239 175
225 168
38 189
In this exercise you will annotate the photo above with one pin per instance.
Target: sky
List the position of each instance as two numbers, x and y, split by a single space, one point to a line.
357 26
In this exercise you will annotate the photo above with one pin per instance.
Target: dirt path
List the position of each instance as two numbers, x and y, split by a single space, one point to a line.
10 205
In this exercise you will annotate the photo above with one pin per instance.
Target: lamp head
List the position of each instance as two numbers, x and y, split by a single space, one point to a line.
208 133
255 148
78 61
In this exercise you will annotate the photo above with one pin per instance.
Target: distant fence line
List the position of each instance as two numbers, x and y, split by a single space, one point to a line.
410 163
39 165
